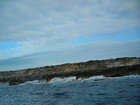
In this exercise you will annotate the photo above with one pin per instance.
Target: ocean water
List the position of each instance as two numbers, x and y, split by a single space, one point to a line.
97 90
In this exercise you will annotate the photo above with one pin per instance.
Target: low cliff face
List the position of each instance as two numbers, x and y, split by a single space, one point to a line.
110 67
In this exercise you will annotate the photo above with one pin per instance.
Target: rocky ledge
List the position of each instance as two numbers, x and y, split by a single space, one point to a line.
107 68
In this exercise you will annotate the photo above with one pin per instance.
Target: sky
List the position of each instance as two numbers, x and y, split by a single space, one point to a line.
35 33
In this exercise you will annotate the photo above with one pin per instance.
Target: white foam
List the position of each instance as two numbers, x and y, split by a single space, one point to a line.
34 82
94 78
127 76
65 79
73 78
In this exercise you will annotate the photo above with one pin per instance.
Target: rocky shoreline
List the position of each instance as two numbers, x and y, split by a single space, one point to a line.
107 68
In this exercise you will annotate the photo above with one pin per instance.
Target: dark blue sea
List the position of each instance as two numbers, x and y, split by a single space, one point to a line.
97 90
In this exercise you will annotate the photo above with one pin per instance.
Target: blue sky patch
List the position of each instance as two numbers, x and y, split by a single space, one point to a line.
7 46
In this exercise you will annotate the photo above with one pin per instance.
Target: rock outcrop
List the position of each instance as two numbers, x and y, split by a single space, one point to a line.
108 68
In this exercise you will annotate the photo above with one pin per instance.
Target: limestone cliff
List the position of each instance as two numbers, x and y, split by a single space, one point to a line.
109 68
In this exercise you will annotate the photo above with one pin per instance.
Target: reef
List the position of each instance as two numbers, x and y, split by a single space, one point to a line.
108 68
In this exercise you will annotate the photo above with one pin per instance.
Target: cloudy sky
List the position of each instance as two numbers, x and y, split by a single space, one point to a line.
36 33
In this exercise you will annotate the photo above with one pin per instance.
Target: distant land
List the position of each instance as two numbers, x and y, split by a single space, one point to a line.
108 68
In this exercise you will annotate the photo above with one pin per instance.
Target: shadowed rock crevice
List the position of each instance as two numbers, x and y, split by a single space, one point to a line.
108 68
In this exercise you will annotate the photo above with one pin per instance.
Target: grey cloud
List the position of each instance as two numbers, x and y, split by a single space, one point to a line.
24 20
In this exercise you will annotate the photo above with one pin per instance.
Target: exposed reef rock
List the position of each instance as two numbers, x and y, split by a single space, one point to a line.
108 68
